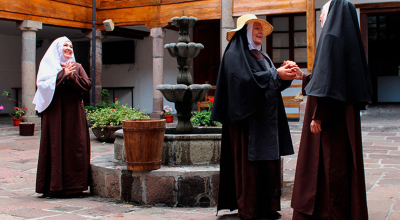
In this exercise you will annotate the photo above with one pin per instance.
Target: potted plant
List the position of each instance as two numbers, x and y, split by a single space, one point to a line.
105 121
167 113
18 112
203 118
17 115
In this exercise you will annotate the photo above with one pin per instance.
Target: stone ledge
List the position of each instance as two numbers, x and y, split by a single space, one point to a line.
170 185
186 149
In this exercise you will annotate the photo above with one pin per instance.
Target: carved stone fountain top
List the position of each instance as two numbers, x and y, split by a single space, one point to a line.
184 94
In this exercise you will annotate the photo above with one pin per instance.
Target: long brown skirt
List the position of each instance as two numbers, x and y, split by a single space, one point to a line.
333 199
252 187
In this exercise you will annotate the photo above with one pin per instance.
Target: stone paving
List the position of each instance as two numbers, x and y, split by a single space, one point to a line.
18 200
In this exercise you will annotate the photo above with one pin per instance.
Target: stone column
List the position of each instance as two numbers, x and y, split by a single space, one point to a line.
99 63
227 23
158 35
28 67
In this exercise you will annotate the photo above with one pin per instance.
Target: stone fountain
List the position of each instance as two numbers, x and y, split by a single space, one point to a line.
189 175
184 94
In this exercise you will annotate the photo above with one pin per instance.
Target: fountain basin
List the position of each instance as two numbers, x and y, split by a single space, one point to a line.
184 21
200 148
184 50
184 93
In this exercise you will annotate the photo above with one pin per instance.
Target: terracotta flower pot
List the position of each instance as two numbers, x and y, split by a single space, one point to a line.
169 118
16 121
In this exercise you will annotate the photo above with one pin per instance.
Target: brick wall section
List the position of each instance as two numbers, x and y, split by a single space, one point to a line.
160 190
98 186
113 186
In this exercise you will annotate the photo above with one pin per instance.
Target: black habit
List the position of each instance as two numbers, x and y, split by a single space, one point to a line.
329 181
64 155
255 134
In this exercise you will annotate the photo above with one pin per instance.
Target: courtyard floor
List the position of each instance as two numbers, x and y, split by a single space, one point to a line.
18 162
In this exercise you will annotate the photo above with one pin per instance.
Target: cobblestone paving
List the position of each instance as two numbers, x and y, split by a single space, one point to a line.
18 200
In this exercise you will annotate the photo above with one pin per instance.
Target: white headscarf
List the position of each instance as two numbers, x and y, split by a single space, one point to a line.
326 9
49 67
252 45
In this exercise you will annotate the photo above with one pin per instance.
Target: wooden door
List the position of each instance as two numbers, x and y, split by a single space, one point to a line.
206 64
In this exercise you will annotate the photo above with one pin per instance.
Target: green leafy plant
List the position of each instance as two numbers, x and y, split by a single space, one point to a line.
113 115
203 118
18 111
104 103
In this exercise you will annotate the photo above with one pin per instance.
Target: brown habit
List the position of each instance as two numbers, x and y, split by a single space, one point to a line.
64 156
252 187
329 181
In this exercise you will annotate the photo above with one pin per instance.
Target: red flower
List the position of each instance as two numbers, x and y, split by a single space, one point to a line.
16 108
211 100
25 109
116 99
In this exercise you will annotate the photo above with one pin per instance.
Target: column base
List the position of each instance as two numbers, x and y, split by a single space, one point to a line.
34 119
156 115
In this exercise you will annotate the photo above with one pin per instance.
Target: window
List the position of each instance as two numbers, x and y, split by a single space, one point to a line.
288 41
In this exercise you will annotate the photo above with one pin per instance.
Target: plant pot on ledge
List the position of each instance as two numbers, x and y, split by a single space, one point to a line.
17 121
169 118
106 133
26 129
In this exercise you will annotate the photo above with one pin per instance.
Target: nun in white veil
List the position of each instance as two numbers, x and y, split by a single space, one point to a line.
64 156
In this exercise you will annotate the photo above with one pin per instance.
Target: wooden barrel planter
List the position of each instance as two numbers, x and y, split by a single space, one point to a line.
144 139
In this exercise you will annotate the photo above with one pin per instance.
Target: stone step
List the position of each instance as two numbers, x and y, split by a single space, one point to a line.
191 185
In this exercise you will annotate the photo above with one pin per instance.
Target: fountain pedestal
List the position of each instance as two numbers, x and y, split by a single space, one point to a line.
189 175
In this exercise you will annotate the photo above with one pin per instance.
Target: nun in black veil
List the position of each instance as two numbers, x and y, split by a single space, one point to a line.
329 181
255 131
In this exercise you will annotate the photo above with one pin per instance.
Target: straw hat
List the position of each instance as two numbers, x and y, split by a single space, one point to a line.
249 18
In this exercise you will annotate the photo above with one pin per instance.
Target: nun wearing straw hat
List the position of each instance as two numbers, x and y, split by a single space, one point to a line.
255 131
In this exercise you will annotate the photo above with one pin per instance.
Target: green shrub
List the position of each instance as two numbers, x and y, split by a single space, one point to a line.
202 118
113 115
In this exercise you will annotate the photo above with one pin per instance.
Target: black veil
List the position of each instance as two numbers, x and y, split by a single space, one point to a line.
340 67
243 82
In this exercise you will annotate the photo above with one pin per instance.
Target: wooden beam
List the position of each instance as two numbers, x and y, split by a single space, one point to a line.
85 3
202 10
130 16
46 10
378 5
176 1
111 4
44 20
160 15
379 10
269 12
310 34
128 33
268 7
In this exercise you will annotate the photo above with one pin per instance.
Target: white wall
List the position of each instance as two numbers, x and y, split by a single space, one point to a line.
141 76
10 69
